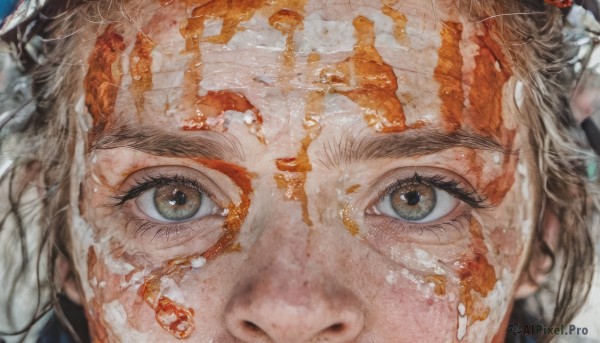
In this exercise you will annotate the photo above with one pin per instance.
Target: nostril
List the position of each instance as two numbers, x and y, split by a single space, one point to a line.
335 328
250 326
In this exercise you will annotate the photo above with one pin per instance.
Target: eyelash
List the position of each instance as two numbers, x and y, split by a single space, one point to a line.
452 187
148 182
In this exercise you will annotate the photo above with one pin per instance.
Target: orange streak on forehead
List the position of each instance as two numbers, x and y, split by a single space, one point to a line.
287 21
376 82
485 98
214 105
400 21
477 275
140 67
448 73
103 78
232 12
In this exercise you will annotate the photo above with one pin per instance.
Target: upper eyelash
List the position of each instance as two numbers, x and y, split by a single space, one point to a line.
452 187
148 182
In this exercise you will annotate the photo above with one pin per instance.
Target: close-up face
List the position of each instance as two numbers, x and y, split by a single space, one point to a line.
299 171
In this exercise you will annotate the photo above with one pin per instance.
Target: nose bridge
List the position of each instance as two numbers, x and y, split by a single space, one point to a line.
287 292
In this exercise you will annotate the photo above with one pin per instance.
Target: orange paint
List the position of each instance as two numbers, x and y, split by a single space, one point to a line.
352 189
350 224
287 21
400 21
496 190
173 317
448 73
439 282
168 313
103 79
376 83
214 104
232 13
140 67
489 76
477 275
300 164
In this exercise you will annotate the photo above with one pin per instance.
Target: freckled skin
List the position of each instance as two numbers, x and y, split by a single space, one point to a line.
295 247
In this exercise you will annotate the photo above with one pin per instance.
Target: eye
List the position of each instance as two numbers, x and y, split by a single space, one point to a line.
176 202
415 201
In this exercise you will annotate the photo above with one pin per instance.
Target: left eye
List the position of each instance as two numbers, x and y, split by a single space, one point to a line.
176 203
416 203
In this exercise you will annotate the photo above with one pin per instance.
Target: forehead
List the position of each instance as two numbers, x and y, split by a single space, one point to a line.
398 64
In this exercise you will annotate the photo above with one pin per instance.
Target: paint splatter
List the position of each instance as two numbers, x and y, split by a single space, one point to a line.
448 74
349 224
103 79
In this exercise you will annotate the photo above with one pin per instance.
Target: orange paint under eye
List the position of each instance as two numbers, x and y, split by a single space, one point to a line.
477 276
103 79
448 73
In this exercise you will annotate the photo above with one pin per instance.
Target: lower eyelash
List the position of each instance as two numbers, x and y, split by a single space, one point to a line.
142 226
460 224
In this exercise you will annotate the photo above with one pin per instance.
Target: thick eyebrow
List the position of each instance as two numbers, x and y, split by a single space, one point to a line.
151 140
349 149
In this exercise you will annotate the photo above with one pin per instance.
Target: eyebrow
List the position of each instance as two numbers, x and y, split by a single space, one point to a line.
151 140
349 149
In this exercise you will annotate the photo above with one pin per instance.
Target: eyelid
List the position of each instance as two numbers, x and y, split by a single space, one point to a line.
145 179
442 179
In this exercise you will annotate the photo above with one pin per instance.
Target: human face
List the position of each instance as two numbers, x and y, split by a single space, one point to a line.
295 171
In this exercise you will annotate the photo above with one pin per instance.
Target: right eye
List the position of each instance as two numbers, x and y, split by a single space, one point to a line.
176 202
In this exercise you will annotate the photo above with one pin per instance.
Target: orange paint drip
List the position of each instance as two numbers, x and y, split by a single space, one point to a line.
300 164
439 282
173 317
448 73
477 275
489 76
214 104
350 224
233 13
103 79
496 189
140 67
287 21
376 83
400 21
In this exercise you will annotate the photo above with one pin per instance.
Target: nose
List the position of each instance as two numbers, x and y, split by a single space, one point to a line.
270 310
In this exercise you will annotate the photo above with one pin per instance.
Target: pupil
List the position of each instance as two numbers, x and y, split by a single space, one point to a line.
412 198
179 198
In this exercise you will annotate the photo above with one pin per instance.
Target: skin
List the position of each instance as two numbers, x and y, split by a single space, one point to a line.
295 251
